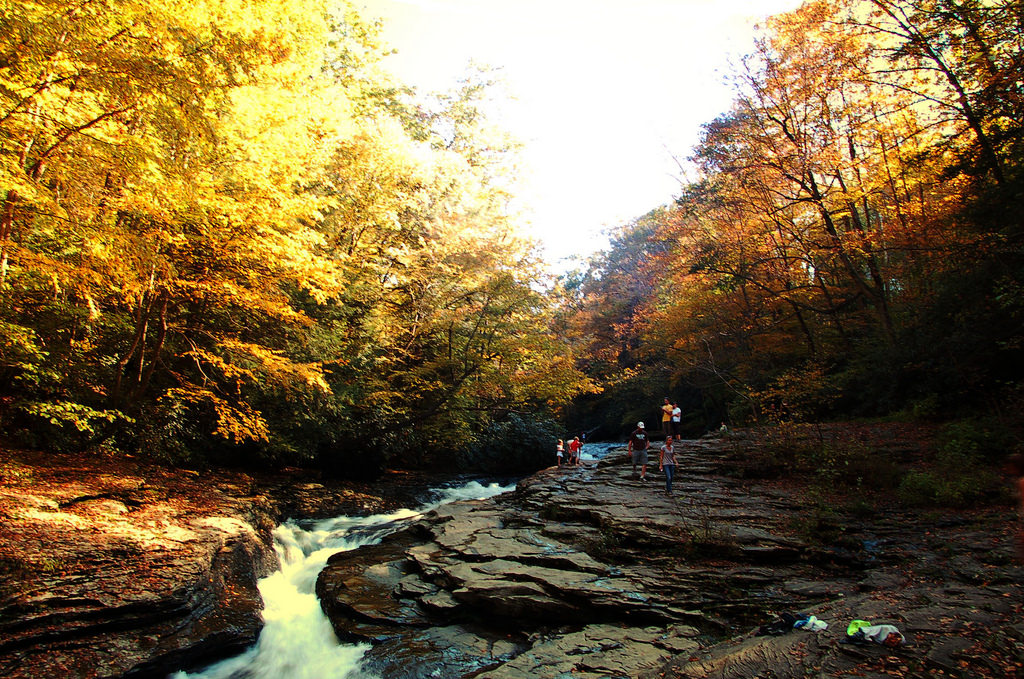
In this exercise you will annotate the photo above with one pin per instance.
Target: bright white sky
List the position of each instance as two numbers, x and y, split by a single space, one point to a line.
609 94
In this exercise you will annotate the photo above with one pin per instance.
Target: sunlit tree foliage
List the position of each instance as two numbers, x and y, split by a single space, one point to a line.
852 244
227 235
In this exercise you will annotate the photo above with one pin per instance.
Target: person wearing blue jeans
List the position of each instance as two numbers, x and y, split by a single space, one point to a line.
667 463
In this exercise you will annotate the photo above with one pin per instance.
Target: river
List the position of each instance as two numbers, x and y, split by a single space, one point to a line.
297 641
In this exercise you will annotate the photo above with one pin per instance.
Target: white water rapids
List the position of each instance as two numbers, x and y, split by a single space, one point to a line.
297 641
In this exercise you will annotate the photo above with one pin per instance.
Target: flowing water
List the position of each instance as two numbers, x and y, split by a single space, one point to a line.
297 641
596 451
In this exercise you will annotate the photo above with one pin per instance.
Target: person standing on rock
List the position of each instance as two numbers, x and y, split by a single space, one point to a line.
575 447
677 418
637 446
667 463
559 452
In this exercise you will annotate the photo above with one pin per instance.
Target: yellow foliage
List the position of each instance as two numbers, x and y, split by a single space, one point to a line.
216 188
236 422
279 368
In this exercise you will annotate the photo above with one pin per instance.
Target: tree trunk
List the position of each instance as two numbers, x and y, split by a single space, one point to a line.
6 231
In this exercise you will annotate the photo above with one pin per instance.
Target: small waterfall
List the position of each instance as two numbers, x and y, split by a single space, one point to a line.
595 451
297 641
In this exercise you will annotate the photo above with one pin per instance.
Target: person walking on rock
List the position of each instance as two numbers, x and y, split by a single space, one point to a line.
667 463
637 446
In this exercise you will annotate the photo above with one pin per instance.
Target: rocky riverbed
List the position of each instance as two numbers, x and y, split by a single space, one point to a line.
111 567
587 572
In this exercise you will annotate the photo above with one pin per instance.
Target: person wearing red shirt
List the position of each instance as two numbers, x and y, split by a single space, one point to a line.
574 451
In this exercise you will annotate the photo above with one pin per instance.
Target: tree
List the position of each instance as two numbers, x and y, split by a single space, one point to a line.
226 223
836 231
446 329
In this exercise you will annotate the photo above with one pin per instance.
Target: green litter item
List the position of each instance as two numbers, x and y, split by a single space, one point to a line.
856 625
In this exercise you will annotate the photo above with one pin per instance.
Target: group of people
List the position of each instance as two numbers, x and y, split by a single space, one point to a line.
638 445
569 455
671 416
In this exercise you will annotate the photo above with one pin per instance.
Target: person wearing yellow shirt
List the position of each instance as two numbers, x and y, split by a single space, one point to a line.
666 417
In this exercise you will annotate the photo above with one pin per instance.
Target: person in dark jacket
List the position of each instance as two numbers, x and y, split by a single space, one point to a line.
638 444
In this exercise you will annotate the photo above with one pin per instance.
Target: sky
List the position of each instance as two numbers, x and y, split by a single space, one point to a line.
607 96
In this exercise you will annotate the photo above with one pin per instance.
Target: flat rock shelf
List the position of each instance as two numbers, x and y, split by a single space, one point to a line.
110 567
588 572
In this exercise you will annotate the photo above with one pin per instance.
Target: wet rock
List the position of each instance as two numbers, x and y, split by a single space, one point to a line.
113 567
945 654
583 550
599 651
298 493
581 572
447 652
878 581
945 633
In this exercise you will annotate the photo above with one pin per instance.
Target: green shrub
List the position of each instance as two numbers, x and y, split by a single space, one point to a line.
66 425
918 489
948 489
833 457
963 474
974 441
772 452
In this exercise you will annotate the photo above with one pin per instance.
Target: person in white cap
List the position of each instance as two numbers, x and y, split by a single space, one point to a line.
638 443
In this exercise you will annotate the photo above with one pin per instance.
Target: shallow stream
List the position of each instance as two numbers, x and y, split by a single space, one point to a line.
297 641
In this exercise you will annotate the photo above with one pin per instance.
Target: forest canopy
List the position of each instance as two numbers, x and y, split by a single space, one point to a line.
229 237
850 244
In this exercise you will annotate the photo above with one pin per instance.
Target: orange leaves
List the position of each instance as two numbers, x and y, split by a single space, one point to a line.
235 421
825 218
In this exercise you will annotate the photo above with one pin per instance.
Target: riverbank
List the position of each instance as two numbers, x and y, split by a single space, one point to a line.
589 572
112 567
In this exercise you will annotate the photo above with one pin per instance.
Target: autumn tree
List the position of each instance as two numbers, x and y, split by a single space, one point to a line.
227 235
447 332
845 219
